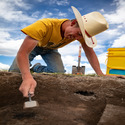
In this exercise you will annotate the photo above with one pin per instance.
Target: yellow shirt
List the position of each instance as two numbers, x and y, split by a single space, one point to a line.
47 32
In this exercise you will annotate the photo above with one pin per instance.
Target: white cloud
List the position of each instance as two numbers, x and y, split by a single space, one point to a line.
87 65
16 16
112 32
20 3
9 12
70 49
117 17
59 2
69 60
120 42
62 14
104 70
46 14
119 26
102 58
106 36
102 61
40 0
36 14
102 10
10 47
4 35
89 72
99 47
4 66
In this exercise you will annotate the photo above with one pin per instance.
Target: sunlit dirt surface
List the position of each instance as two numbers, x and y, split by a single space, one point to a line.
63 100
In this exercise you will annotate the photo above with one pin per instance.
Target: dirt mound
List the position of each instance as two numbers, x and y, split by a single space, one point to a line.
64 100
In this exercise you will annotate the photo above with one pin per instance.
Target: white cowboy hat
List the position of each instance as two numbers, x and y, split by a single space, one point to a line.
90 25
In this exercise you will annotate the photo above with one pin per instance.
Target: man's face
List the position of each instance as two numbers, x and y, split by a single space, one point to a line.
73 32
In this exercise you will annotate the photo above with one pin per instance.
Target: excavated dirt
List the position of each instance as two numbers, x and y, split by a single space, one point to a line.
63 100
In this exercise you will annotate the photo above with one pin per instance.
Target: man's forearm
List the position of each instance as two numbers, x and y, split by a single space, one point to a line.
92 58
23 56
23 64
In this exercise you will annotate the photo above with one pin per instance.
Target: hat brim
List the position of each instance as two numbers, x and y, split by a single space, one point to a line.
90 41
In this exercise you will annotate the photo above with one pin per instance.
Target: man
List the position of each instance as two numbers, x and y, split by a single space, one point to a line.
45 36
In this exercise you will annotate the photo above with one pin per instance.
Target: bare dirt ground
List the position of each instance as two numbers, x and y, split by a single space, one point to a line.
64 100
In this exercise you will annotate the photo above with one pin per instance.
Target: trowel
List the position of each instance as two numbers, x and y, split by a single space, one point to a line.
30 103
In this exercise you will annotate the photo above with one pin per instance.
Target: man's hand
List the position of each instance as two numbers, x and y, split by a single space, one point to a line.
28 86
117 76
121 76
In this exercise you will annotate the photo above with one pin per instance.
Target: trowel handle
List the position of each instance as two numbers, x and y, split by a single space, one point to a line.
29 97
80 51
79 57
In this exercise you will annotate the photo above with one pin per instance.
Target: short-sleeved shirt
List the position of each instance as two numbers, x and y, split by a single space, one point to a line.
47 32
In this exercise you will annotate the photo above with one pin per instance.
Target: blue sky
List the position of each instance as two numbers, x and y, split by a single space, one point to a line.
17 14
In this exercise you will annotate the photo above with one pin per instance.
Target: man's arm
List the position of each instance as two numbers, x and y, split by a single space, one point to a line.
92 58
28 84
